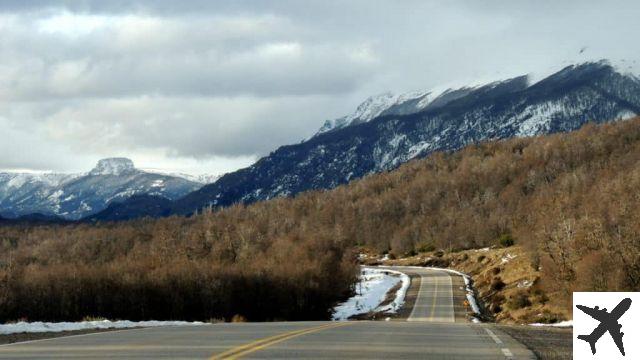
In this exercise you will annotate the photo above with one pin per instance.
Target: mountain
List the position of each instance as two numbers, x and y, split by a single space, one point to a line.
390 104
388 130
203 179
74 196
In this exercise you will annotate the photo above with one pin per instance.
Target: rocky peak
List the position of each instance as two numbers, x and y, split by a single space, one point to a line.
113 166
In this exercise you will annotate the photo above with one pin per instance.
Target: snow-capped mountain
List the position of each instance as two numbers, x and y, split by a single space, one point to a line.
374 106
389 130
113 166
73 196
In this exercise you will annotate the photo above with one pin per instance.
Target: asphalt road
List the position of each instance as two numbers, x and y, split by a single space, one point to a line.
434 302
429 333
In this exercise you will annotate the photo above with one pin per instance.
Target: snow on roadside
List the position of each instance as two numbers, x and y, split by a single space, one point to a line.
38 327
568 323
471 299
398 300
371 291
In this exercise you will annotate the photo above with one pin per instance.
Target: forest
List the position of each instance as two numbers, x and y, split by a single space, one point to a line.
570 199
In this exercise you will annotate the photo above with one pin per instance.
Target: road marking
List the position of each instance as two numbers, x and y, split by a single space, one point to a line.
449 298
507 353
435 299
260 344
493 336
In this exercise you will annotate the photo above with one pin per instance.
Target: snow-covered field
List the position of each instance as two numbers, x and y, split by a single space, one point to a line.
35 327
371 292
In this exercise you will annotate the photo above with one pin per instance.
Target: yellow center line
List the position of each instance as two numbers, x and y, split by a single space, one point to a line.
435 299
259 344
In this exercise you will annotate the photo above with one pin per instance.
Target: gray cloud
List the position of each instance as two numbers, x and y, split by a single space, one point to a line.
214 84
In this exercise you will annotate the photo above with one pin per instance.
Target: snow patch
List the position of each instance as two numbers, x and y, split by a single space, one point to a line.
371 291
524 284
39 327
508 257
568 323
625 115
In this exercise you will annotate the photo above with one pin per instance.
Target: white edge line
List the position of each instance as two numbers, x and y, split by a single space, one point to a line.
507 352
493 336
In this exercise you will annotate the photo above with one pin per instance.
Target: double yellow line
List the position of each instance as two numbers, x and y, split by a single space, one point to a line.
435 299
260 344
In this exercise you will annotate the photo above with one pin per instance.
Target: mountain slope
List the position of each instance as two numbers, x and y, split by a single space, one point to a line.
563 101
73 196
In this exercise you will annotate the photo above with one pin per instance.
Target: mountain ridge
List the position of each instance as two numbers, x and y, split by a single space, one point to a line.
561 102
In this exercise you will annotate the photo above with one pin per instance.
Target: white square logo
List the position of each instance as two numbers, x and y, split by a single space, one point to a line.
606 325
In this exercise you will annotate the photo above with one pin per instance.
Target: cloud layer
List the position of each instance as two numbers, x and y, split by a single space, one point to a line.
201 86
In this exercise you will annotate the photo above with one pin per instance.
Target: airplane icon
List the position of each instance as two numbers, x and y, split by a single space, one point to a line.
608 322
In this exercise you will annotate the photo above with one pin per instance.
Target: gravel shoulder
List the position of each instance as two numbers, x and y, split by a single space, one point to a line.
545 342
20 337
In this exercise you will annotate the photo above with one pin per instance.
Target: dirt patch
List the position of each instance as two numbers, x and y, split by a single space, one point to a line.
391 294
20 337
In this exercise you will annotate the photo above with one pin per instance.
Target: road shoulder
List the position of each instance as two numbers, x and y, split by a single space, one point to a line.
6 339
546 342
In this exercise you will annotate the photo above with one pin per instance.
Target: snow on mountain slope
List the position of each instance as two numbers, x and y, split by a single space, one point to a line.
73 196
113 166
387 104
200 178
373 107
446 121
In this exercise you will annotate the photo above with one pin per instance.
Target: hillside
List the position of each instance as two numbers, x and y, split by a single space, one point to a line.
388 131
568 200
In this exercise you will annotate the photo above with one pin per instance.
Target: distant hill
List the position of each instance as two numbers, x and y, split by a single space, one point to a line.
388 130
154 206
74 196
33 219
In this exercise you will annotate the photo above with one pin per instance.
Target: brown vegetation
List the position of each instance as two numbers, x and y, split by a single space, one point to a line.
569 199
234 265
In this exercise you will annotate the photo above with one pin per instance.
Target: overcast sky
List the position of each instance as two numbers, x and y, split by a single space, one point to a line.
208 87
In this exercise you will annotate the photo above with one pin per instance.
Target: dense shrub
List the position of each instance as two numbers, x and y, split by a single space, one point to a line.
497 284
519 300
506 240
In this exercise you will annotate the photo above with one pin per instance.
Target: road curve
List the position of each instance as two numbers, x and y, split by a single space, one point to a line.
429 333
434 301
